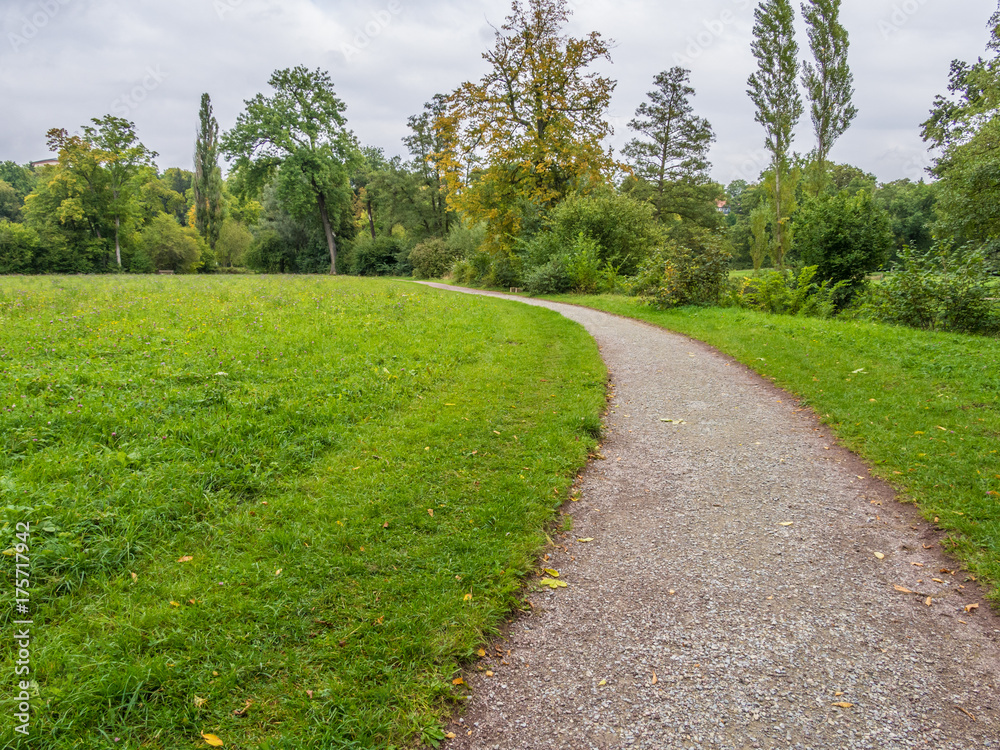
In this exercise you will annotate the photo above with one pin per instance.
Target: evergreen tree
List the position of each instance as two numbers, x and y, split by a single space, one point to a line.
677 142
774 90
208 175
829 83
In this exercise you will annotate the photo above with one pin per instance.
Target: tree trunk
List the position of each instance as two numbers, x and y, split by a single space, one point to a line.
118 248
331 241
371 219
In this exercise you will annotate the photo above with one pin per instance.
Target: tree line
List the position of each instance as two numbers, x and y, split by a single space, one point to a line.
508 181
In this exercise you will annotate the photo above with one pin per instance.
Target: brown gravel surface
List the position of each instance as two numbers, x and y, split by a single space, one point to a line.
733 594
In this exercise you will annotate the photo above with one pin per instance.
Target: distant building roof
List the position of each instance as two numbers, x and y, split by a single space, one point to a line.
44 163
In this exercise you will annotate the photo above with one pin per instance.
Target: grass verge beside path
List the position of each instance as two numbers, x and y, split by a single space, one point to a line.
281 511
922 408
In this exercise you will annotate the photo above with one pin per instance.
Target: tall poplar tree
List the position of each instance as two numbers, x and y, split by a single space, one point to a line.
829 83
207 175
774 90
676 140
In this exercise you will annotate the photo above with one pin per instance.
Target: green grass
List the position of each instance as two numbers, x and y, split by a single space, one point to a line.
922 408
360 472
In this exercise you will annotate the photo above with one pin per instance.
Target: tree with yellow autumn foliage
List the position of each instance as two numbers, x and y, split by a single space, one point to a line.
530 132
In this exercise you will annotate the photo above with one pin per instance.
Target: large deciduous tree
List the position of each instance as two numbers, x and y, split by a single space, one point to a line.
99 180
126 161
965 127
298 135
425 144
773 88
536 120
675 146
829 82
207 175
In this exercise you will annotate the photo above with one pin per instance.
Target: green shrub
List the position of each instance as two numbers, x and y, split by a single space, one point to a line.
846 237
18 247
505 271
462 272
549 278
784 293
677 274
464 240
170 247
622 228
940 289
382 256
432 259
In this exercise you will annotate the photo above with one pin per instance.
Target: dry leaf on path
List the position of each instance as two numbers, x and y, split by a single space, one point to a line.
655 680
787 523
901 590
552 583
844 704
584 541
551 572
879 555
971 607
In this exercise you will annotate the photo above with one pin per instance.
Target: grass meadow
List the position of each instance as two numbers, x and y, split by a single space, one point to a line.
922 408
279 511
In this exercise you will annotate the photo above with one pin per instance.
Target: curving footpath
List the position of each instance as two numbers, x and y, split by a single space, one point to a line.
731 596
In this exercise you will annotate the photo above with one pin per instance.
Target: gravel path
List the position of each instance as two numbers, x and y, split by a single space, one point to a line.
732 596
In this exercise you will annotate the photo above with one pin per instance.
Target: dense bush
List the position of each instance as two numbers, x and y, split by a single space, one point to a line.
432 259
846 237
786 293
18 247
693 273
549 278
940 289
622 228
172 247
381 256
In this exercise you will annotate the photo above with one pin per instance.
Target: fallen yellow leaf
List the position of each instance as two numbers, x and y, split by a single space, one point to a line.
602 683
186 558
458 681
879 555
553 573
450 736
552 583
430 512
928 601
901 590
467 598
844 704
212 740
786 523
175 604
655 680
489 673
278 571
481 652
199 702
971 607
584 541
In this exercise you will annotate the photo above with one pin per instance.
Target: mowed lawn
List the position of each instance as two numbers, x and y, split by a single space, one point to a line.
280 511
922 408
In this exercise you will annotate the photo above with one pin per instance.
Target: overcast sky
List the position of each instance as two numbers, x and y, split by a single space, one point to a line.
63 62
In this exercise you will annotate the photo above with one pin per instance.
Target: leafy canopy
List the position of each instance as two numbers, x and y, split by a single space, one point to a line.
530 132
